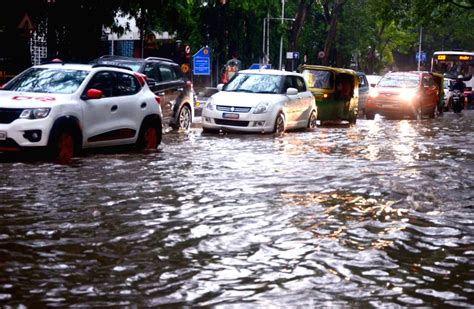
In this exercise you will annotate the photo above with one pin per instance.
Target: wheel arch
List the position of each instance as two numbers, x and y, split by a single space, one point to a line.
70 122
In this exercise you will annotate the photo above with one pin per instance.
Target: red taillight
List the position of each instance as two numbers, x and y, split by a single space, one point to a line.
141 78
189 84
158 100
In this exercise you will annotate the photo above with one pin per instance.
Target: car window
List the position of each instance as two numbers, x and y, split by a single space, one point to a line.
427 81
399 81
255 83
102 81
299 83
362 81
48 80
126 84
151 71
166 72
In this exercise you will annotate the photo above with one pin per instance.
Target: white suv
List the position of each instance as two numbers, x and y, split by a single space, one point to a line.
64 108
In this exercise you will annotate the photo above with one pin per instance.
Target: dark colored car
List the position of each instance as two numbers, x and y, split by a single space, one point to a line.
165 79
404 94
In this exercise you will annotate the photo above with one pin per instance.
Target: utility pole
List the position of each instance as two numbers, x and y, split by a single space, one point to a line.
281 38
419 48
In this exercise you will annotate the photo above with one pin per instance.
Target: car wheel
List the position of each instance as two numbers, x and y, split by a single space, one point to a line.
184 118
313 120
62 145
369 115
279 124
417 112
150 135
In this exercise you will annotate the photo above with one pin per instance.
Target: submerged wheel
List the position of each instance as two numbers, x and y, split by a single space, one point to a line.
369 115
417 113
184 118
150 135
313 120
279 124
62 145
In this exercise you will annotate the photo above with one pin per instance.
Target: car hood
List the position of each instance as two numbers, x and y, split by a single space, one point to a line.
245 99
15 99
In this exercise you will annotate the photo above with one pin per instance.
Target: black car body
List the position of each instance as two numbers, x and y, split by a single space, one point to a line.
165 79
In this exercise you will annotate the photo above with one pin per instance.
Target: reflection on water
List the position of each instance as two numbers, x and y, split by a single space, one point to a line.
379 214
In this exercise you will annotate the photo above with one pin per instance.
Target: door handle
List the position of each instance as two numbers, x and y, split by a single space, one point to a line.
113 108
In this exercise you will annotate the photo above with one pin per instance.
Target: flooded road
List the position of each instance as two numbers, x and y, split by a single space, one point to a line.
380 214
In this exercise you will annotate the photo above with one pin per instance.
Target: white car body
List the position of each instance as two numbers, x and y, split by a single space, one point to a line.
105 121
237 111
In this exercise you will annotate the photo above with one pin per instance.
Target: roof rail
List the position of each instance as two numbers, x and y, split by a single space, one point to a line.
98 65
159 58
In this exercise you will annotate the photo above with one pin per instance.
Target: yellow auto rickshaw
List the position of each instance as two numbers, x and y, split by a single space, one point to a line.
336 91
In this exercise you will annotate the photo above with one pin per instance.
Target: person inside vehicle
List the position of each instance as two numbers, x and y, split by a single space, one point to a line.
459 84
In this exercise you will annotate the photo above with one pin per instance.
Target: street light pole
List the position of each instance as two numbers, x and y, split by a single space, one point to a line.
281 38
419 49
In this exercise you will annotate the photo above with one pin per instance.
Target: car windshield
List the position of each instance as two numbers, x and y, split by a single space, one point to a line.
320 79
399 81
255 83
47 80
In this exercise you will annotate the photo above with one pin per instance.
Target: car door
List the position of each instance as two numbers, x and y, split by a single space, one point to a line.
306 101
291 102
170 87
429 92
112 119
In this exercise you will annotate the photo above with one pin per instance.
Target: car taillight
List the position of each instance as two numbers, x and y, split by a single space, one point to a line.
158 99
189 84
141 78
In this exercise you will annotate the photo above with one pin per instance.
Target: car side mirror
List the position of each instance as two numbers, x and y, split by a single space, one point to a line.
291 91
93 94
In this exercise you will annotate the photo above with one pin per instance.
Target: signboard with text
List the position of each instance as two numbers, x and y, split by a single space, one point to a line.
202 62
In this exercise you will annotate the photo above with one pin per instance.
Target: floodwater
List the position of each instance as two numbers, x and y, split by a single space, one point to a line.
380 214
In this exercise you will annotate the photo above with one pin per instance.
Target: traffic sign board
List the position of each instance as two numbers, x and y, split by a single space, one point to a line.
423 57
202 62
292 55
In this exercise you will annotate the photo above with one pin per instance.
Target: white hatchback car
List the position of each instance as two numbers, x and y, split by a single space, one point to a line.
64 108
261 101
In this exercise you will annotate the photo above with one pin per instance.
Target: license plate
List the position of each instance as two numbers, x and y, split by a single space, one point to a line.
3 135
230 116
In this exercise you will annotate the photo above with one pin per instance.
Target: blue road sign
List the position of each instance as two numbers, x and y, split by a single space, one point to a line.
423 57
258 66
202 62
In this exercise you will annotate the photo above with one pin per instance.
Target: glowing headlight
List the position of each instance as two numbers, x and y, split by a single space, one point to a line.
210 104
407 95
373 93
261 108
35 113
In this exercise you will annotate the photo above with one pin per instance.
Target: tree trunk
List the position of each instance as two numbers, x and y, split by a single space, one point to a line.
332 17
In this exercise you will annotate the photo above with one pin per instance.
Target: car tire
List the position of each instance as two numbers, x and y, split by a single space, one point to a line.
417 114
184 118
62 145
150 135
369 115
280 124
313 120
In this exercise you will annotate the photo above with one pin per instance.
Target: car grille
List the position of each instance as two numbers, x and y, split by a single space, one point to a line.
8 115
235 109
388 98
235 123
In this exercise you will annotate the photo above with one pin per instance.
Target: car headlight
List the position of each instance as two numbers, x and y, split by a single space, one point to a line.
373 93
407 95
34 113
210 104
261 108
